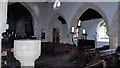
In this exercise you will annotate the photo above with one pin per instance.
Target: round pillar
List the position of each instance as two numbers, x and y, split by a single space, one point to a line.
113 40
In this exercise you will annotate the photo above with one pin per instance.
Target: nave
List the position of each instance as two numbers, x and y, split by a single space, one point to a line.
50 34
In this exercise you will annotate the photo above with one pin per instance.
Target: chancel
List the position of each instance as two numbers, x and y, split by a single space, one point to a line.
59 33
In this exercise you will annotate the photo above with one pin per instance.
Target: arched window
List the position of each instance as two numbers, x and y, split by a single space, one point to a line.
101 31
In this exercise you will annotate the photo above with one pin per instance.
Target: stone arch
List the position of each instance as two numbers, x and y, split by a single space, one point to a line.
82 9
31 12
52 22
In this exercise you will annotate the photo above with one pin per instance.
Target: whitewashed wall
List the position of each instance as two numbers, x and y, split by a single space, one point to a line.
91 29
71 11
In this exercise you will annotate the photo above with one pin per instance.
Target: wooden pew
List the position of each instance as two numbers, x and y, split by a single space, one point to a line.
55 48
100 64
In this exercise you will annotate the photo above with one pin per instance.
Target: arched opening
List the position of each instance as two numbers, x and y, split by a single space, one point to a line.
90 14
59 30
56 36
82 9
101 30
90 18
94 24
20 26
101 36
20 21
58 22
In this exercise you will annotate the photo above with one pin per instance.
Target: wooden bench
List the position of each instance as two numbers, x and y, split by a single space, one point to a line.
54 48
100 64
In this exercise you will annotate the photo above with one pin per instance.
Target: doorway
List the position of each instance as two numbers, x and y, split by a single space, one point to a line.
56 36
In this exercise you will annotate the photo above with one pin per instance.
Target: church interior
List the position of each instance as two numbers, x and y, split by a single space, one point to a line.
60 34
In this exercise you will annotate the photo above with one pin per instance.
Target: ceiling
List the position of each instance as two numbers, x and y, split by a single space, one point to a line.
90 14
18 11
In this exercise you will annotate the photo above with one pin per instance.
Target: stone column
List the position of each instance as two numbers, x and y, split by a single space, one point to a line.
3 19
113 40
113 35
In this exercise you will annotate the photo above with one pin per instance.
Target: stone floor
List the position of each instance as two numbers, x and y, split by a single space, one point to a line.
46 61
54 61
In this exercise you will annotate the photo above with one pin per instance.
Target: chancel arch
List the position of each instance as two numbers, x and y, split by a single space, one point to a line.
82 9
91 22
81 12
